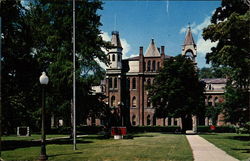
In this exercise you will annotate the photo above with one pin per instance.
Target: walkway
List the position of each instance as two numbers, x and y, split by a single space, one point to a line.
205 151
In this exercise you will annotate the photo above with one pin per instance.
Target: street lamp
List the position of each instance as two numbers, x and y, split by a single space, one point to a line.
44 81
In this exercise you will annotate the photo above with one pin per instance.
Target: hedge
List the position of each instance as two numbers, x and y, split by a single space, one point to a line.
218 129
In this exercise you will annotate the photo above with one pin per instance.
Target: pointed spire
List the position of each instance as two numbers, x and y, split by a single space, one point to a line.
115 40
152 50
189 40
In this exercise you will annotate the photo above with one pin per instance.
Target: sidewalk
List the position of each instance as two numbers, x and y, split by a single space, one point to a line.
205 151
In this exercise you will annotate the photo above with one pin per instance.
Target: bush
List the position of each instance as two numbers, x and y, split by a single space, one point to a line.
219 129
140 129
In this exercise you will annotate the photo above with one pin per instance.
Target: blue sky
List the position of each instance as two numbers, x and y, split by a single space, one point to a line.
165 21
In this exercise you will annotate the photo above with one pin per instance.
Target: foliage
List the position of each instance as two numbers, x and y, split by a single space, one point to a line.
230 28
37 38
213 112
177 91
218 129
214 72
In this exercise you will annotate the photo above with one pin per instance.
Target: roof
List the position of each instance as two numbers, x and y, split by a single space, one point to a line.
152 50
115 40
215 80
189 40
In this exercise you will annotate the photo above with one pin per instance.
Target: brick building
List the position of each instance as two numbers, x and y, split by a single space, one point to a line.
126 81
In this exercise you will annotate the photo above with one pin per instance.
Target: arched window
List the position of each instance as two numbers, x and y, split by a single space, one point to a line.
149 65
110 83
115 83
113 101
134 102
133 120
119 57
158 65
113 57
134 83
149 82
153 65
148 120
189 54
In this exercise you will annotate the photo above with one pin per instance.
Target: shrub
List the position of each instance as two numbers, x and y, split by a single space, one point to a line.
219 129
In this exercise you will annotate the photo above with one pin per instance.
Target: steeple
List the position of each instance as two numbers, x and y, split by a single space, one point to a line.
152 50
189 47
115 54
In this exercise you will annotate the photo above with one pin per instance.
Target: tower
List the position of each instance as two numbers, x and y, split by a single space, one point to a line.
115 54
189 47
114 75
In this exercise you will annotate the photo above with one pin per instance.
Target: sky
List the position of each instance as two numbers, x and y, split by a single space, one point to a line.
164 21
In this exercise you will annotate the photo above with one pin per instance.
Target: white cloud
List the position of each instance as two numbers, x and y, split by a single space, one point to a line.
204 47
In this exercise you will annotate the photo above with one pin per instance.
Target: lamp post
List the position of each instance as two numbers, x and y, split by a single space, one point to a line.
44 81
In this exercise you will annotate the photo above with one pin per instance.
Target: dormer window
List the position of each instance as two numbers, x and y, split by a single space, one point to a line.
113 57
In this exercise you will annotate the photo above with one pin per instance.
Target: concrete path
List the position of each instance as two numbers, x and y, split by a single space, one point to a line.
205 151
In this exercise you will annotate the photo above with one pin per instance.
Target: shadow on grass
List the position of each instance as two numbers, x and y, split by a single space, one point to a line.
245 150
14 144
242 138
55 155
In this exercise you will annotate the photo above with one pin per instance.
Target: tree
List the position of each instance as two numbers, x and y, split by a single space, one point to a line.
214 72
177 91
230 28
19 69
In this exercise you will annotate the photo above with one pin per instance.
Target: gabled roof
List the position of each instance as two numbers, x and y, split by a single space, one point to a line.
115 40
215 80
189 40
152 50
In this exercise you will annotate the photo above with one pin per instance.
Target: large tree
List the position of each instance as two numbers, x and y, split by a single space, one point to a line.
230 27
176 91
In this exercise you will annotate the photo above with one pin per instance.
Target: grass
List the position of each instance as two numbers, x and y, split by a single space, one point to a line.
236 145
147 146
29 138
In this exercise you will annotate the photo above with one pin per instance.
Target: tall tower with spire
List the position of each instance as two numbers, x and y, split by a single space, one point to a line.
189 47
115 54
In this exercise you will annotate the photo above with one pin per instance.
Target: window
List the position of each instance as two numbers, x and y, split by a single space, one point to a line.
134 102
149 64
110 82
149 82
119 57
158 65
113 101
209 101
153 65
133 120
115 83
148 102
109 57
134 83
148 120
113 57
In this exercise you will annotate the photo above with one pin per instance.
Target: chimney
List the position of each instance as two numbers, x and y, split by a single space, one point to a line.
162 50
141 50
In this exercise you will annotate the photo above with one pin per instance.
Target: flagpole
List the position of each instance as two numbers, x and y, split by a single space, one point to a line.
74 80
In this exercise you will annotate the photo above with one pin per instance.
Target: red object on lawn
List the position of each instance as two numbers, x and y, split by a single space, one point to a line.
212 127
118 131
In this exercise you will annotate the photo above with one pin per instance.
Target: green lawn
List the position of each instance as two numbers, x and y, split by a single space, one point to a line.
148 146
236 145
28 138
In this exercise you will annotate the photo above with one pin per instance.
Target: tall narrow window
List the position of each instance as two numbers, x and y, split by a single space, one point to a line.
128 83
153 65
110 83
113 57
149 65
133 120
148 120
144 66
115 83
113 101
134 102
134 83
158 65
109 57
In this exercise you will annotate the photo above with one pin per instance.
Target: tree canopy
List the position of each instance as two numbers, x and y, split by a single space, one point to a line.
176 91
38 37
